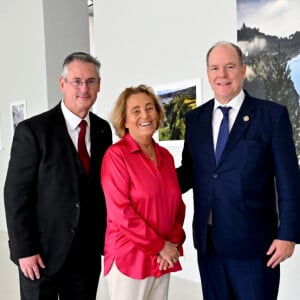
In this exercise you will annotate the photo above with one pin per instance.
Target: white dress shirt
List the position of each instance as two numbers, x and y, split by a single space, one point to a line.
235 104
217 117
72 122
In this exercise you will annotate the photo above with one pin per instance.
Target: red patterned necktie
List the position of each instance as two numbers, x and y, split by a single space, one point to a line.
82 151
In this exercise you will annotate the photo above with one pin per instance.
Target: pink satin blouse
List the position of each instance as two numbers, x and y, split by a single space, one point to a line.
144 208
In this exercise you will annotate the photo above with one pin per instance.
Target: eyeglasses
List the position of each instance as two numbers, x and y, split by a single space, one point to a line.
77 83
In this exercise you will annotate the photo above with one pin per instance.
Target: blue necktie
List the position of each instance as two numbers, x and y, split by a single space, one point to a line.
223 133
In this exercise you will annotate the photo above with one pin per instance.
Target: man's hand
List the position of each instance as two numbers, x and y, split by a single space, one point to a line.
30 266
280 250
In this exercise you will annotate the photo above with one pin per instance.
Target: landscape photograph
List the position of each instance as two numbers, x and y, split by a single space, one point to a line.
269 35
177 99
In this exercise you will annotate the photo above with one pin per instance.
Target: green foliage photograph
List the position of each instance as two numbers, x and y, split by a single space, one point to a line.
176 104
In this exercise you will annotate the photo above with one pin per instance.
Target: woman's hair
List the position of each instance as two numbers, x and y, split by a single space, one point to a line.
118 116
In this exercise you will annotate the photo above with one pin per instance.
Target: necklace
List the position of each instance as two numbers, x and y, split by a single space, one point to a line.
150 152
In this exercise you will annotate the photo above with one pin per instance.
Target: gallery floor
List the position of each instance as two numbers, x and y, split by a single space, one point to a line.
9 290
179 289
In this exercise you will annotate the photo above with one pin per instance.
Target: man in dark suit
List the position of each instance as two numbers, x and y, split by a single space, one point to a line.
55 208
247 199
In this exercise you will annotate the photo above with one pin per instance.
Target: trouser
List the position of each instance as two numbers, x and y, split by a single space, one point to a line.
123 287
237 279
77 280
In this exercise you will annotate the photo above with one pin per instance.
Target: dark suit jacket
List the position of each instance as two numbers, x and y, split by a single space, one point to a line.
257 173
42 194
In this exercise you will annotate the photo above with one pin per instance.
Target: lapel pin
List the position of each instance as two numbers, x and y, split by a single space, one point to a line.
246 118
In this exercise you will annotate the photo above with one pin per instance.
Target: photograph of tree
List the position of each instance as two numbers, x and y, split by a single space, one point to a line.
269 35
177 99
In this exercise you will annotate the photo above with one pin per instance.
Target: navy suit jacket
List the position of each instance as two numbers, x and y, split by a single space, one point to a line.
254 191
43 200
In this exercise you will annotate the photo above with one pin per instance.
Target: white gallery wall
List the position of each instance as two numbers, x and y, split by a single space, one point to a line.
36 36
23 74
159 42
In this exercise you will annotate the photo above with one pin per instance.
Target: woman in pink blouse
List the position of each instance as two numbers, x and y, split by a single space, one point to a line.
145 211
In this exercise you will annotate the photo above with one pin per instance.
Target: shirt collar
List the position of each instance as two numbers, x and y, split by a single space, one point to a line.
133 144
72 119
235 102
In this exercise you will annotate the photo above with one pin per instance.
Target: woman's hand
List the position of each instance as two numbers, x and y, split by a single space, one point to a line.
168 256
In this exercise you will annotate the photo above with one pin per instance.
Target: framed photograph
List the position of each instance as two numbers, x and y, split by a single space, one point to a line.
271 48
17 113
0 133
177 99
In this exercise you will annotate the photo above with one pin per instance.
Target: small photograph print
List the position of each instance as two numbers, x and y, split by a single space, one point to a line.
177 99
18 113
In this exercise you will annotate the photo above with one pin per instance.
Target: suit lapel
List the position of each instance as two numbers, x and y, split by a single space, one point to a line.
204 132
243 120
97 144
62 131
62 137
209 131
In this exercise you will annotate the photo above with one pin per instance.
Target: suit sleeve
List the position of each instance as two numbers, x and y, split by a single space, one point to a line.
20 193
287 179
185 171
178 234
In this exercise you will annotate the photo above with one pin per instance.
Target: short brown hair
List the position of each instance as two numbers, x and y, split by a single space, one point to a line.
118 116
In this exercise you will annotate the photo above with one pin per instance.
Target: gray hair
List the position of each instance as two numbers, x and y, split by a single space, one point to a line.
237 48
79 56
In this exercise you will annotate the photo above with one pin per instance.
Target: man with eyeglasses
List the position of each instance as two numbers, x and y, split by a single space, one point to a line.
54 202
